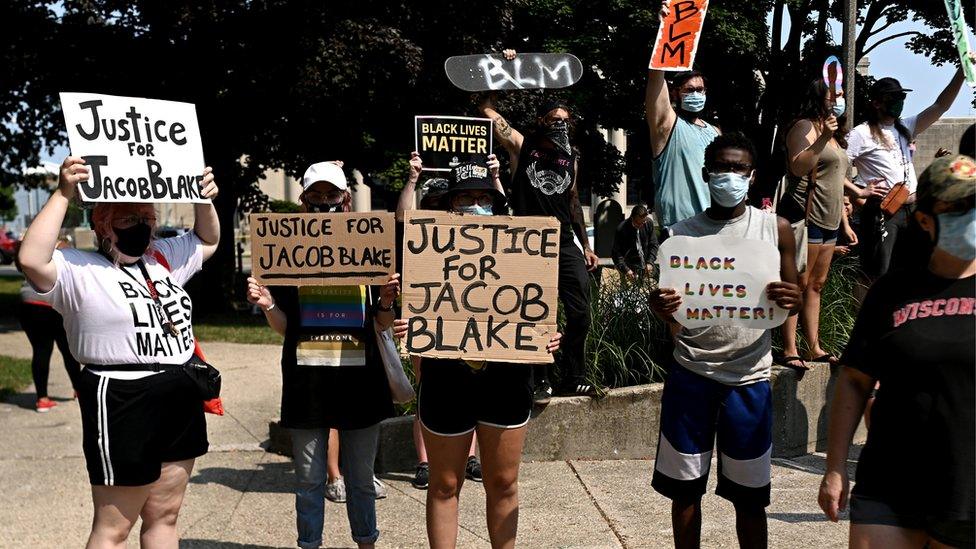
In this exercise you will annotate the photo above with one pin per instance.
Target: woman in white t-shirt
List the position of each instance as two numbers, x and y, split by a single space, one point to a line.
881 149
128 319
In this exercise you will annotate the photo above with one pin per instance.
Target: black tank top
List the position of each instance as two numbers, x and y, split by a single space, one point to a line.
543 180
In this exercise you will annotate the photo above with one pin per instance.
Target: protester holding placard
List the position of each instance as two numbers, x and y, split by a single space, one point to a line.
719 380
128 320
544 168
458 398
332 375
882 151
678 139
816 180
916 334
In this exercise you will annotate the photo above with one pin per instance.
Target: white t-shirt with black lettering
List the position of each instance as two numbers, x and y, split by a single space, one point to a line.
109 315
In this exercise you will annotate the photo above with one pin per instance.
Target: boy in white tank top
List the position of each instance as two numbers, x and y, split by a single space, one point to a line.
718 383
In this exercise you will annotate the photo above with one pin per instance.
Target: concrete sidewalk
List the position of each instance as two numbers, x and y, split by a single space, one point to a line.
240 495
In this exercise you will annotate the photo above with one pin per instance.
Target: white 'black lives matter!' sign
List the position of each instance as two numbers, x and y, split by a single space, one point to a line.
138 150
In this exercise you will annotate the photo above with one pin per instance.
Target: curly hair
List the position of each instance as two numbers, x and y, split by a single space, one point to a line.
732 140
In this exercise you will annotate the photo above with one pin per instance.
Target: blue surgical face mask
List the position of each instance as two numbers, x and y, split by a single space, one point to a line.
693 102
476 209
957 234
840 105
729 188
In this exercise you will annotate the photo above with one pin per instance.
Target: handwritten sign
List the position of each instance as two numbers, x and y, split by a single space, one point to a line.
304 249
954 8
138 150
480 288
446 141
721 280
526 71
677 37
833 76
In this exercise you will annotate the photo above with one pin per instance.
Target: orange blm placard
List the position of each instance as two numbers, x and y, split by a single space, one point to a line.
677 37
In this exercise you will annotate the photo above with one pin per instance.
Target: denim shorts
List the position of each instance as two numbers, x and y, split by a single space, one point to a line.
818 235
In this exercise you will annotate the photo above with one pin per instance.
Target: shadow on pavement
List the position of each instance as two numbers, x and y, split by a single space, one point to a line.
210 544
270 478
793 518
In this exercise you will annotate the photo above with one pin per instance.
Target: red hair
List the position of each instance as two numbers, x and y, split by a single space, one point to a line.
105 212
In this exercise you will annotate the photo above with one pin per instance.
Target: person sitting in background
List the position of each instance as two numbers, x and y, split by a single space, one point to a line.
44 327
916 334
635 245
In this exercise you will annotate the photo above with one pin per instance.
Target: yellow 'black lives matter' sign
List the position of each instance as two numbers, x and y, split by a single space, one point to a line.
446 141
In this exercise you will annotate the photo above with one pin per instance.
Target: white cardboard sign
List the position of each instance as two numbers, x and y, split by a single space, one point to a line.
137 149
721 280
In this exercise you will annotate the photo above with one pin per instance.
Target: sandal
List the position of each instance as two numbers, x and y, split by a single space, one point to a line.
794 362
829 358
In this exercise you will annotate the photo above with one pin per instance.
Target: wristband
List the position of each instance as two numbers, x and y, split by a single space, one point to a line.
379 306
270 307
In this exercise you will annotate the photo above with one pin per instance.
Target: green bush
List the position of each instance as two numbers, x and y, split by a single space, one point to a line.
283 206
627 344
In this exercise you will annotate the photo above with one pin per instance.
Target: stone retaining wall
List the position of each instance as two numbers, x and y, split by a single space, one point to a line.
624 424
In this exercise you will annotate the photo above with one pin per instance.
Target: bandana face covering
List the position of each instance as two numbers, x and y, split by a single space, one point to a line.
558 133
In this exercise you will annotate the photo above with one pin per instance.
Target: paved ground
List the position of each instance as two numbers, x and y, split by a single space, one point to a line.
240 495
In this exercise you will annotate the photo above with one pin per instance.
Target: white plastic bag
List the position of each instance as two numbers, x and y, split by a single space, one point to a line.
400 386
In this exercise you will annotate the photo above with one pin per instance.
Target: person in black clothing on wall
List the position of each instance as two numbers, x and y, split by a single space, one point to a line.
635 245
544 168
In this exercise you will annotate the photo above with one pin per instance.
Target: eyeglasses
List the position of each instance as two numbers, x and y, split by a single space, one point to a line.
130 221
722 167
691 89
465 200
334 195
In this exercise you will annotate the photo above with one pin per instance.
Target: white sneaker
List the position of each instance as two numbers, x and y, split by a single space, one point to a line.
335 491
381 490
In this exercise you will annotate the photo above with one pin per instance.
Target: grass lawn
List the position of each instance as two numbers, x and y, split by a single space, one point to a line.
15 374
9 296
235 328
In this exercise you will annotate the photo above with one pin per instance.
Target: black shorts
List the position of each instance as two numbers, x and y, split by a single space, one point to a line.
955 533
454 397
131 427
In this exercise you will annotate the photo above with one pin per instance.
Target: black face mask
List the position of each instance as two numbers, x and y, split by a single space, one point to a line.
558 133
325 208
133 241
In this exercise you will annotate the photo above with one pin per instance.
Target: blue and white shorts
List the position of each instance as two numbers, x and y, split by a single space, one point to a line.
695 409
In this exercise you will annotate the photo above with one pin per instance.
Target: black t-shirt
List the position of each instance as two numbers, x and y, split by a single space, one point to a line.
347 387
543 181
916 334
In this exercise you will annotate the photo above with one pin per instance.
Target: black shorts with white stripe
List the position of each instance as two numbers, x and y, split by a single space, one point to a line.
131 427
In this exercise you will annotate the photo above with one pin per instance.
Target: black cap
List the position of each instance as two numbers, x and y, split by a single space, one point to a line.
471 177
886 86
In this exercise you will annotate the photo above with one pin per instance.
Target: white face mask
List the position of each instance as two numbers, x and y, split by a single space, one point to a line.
729 188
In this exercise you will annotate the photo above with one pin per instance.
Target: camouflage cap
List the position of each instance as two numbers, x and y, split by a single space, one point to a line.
948 179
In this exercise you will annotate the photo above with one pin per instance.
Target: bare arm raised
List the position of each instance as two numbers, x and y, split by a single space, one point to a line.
657 103
37 250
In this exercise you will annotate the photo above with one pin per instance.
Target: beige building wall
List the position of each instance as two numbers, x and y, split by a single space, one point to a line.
944 133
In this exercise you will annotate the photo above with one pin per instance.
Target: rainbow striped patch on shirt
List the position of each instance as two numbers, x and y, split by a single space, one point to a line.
332 306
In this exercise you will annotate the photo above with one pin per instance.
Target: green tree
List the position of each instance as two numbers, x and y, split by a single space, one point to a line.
8 204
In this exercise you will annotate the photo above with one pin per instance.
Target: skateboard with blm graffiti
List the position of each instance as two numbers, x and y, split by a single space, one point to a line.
528 71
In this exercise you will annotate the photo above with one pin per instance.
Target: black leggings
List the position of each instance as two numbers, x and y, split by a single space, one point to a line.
574 293
45 327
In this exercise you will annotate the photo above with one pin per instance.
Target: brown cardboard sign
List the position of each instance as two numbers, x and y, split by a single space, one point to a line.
305 249
480 288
